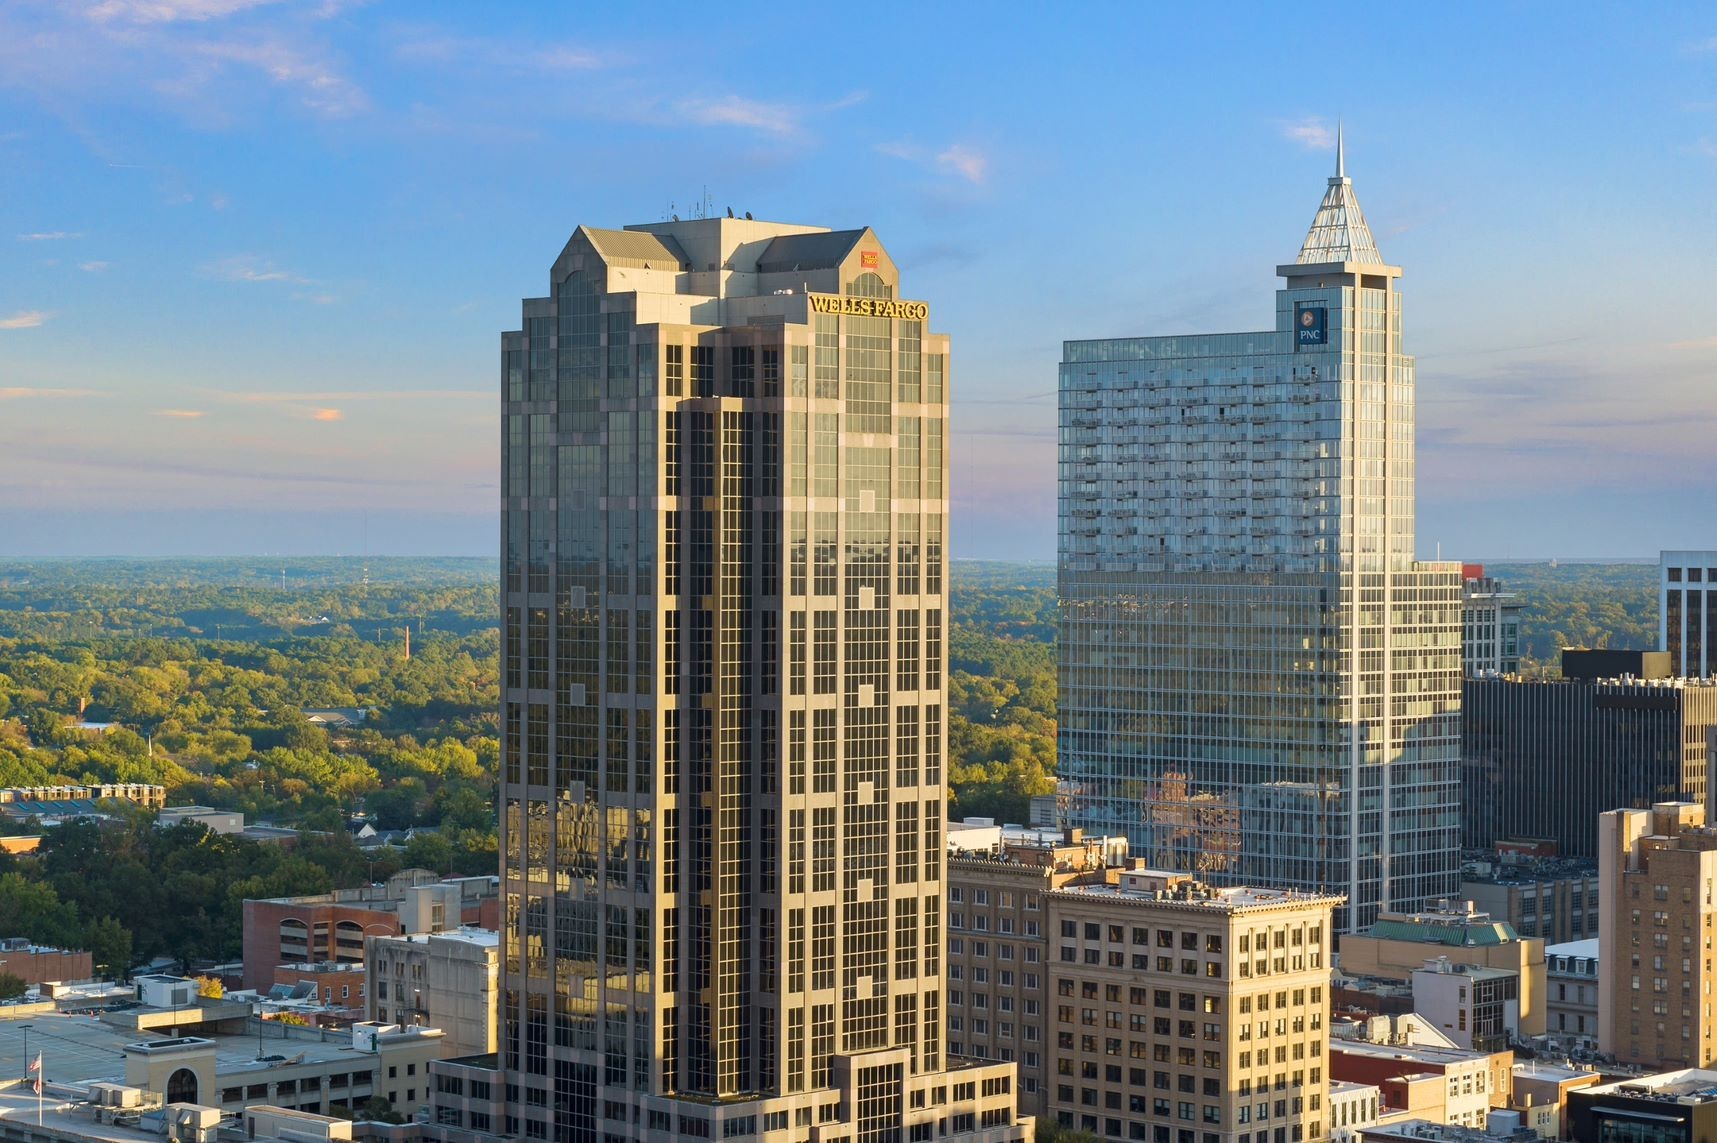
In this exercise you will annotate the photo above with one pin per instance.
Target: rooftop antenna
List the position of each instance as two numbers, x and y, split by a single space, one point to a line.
1340 150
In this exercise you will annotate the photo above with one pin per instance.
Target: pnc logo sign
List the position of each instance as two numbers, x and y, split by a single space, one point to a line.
1310 326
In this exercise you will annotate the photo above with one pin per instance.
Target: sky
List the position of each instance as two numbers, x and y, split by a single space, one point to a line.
255 256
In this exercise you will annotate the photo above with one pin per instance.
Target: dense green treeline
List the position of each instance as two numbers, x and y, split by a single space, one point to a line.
1581 605
206 667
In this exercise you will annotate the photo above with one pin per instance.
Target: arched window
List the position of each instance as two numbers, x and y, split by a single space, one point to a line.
294 941
868 285
349 942
182 1086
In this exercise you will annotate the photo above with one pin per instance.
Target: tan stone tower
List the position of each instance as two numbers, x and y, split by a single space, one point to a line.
725 524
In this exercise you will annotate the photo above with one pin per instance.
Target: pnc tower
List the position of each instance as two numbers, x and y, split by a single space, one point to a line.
724 527
1259 683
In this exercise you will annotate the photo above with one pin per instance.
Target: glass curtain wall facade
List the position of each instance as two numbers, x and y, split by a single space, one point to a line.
724 527
1259 683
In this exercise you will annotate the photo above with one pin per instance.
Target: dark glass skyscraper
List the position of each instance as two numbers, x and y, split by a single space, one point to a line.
725 523
1259 683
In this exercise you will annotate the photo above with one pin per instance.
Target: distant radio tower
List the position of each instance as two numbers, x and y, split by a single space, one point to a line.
282 579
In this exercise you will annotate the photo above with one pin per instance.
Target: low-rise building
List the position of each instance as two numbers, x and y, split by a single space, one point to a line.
1540 1094
1571 988
437 980
39 964
1400 943
1444 1085
333 926
1670 1107
1180 1006
1474 1007
1500 1128
217 821
1352 1108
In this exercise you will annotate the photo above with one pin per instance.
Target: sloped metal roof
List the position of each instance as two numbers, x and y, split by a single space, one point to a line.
636 248
807 251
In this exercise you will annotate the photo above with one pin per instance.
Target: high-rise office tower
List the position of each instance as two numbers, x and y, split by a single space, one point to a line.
725 524
1687 624
1259 684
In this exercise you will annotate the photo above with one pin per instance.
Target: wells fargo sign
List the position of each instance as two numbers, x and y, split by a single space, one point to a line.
869 307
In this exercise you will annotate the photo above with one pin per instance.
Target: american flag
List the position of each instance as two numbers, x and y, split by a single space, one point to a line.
36 1070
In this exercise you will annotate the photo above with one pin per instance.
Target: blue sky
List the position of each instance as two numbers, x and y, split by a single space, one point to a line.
254 257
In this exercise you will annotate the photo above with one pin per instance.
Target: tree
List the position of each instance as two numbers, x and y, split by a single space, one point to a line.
109 945
210 987
11 985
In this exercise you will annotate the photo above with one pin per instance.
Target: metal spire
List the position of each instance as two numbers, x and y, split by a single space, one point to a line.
1339 232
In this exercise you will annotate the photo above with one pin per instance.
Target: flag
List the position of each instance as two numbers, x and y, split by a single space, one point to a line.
36 1071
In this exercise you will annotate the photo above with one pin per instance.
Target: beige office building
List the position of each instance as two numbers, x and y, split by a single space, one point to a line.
1184 1013
725 519
1656 872
437 980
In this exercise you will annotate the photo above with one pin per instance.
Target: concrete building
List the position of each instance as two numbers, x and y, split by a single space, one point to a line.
332 927
724 648
218 821
439 980
1657 870
1259 683
1554 899
1543 758
1490 625
1571 973
1540 1094
1474 1007
1400 943
1498 1127
998 946
1443 1085
1352 1107
1670 1107
1687 628
228 1064
1180 1006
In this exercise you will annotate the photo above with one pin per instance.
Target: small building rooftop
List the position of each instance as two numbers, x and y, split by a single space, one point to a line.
1689 1085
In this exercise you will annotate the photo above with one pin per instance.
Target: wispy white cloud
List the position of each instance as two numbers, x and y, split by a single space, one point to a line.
961 160
490 54
318 299
1312 133
92 267
182 414
967 162
171 11
19 393
328 415
49 236
348 395
737 111
203 57
25 319
1702 47
320 87
1695 343
249 268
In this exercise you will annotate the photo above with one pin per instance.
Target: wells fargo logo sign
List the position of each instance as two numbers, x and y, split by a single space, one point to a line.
869 307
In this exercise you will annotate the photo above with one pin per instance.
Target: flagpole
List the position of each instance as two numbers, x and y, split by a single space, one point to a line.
40 1072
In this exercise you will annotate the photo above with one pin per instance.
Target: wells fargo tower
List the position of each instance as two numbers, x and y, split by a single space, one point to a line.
724 584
